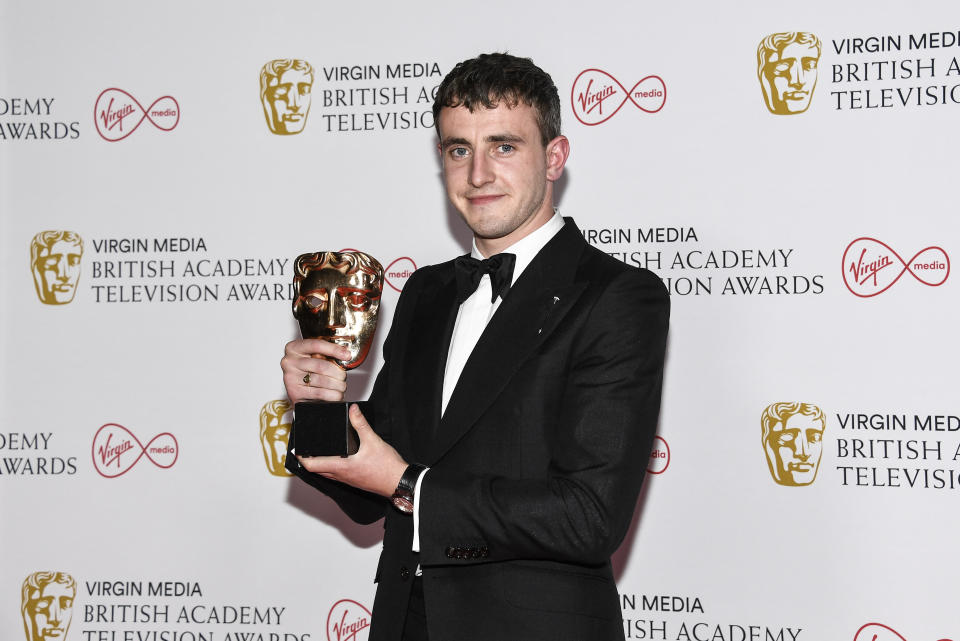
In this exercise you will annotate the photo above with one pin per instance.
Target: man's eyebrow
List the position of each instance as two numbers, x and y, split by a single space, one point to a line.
449 142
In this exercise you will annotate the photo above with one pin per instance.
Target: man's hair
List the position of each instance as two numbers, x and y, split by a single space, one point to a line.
46 240
780 412
275 68
492 78
775 42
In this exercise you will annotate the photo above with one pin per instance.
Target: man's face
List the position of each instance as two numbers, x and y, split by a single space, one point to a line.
50 611
790 77
288 101
56 272
496 170
794 448
341 308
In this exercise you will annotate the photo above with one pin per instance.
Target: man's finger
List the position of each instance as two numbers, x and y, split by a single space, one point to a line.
359 422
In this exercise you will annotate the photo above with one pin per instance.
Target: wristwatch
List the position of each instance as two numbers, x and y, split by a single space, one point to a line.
403 496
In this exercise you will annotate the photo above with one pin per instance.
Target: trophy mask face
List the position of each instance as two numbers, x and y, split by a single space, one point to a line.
275 420
794 447
337 299
48 612
56 269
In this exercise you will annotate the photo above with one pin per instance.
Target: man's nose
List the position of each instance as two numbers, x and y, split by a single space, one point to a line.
54 613
481 172
293 100
803 448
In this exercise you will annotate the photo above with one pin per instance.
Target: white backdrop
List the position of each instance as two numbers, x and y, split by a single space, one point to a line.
200 541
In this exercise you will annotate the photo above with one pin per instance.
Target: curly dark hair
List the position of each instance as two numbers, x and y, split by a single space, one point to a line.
490 78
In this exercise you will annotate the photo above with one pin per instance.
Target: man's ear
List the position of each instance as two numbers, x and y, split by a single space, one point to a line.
558 150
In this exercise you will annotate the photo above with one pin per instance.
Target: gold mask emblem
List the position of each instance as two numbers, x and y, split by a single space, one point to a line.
55 263
337 299
787 68
285 92
47 605
276 419
793 441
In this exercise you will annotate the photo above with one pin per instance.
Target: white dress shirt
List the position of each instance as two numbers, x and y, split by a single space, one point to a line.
472 319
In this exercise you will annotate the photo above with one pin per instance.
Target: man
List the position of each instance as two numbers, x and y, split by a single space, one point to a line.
55 262
46 605
787 68
285 91
533 408
793 441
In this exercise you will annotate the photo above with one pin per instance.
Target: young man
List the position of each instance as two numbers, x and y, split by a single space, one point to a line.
533 408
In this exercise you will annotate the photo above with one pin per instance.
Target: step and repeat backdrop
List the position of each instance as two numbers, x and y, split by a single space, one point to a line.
790 172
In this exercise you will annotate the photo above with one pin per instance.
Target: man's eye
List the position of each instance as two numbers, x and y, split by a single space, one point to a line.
505 148
50 262
785 438
814 436
810 64
781 67
280 91
459 152
304 89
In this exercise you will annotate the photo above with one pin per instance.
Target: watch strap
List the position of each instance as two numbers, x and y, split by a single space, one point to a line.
404 494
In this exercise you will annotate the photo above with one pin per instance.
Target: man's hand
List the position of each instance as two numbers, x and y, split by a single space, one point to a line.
376 467
309 372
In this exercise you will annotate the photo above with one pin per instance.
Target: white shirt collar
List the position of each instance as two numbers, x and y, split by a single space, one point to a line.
527 248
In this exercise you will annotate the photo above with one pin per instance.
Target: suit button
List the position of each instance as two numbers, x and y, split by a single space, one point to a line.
450 552
404 572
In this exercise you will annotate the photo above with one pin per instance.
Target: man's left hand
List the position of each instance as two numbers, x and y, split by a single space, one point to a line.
376 467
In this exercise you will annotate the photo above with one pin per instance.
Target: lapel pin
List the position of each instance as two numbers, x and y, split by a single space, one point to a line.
556 299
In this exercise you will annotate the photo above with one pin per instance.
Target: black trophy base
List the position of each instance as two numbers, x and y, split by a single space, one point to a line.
324 429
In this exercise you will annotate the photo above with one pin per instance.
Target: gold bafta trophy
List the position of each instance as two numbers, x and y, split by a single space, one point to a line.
336 298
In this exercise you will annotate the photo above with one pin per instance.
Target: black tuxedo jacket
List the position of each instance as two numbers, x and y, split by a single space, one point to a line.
536 465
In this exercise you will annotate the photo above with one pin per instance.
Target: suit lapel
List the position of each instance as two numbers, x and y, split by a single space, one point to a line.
429 336
537 302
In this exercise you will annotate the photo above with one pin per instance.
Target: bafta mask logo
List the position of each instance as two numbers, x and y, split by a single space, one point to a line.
793 442
787 68
47 605
285 91
55 263
276 418
337 299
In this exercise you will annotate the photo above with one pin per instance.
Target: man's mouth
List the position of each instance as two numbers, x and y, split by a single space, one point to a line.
484 199
800 467
65 288
796 95
293 117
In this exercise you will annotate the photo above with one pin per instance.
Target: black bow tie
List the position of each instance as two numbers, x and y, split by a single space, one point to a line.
470 270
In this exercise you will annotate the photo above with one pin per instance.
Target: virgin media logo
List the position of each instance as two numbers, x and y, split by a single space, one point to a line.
348 621
117 114
879 632
116 450
596 96
871 267
659 456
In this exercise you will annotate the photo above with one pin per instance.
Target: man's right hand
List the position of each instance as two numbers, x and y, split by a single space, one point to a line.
309 372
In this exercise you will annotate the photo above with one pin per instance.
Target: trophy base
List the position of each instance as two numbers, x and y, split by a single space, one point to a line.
324 429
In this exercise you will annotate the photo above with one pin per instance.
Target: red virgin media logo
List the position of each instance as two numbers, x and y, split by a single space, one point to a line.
871 267
116 450
596 96
659 456
117 114
348 621
880 632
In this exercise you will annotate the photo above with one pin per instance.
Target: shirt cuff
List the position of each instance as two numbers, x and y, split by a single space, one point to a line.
416 511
